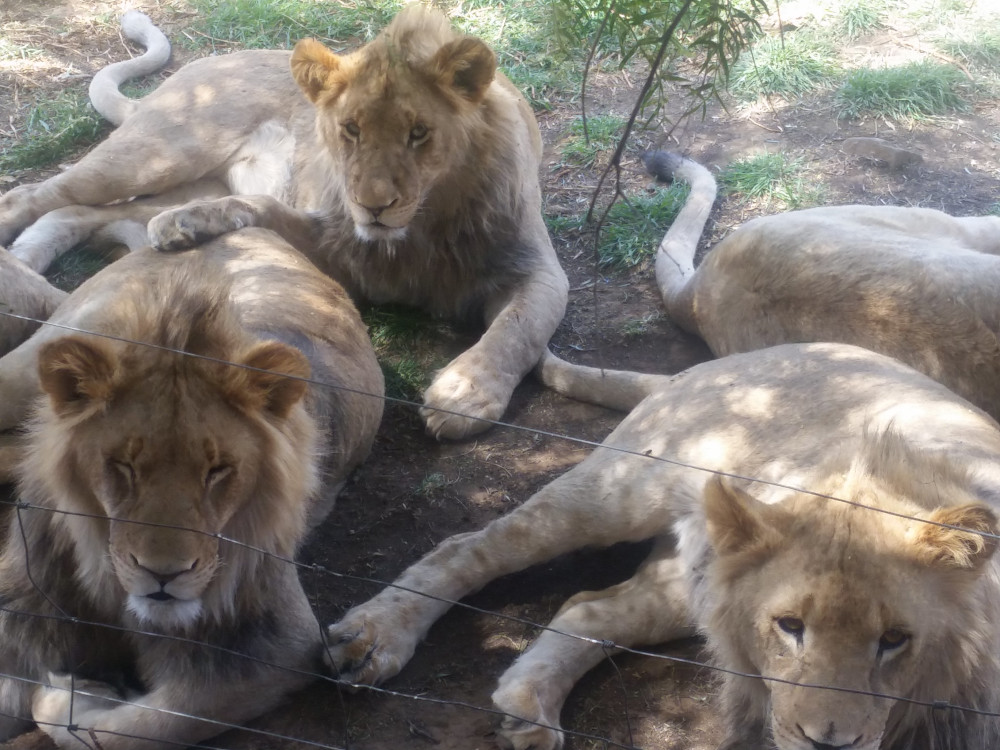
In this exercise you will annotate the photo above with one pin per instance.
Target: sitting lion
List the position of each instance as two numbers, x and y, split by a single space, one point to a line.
913 283
407 170
163 492
791 588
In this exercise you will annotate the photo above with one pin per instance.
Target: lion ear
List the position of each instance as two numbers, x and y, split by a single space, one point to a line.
276 381
734 519
75 372
315 68
967 540
466 66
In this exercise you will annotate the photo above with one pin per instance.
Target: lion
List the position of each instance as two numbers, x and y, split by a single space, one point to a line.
172 468
823 515
407 170
913 283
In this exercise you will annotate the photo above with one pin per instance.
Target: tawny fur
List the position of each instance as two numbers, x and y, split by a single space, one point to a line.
913 283
177 451
781 583
408 171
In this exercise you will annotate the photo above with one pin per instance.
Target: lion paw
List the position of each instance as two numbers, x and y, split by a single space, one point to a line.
86 701
527 724
363 652
194 223
456 404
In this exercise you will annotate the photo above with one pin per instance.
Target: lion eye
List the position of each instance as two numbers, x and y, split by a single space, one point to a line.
792 626
418 134
352 130
216 474
892 639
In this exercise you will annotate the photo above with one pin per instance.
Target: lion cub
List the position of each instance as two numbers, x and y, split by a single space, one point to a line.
407 170
145 586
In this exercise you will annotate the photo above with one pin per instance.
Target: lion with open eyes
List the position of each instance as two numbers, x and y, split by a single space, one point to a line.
791 588
406 169
165 494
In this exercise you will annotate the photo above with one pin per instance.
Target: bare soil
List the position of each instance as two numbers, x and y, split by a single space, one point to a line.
414 492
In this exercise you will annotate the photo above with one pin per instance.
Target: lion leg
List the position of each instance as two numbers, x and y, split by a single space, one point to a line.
174 715
59 231
24 293
477 385
651 607
376 639
189 225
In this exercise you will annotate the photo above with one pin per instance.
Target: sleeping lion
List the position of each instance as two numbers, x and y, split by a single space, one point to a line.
891 591
407 170
162 493
913 283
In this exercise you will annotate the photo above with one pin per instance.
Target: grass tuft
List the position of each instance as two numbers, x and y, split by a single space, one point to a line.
910 92
634 228
582 150
771 178
278 24
787 65
859 17
404 341
54 130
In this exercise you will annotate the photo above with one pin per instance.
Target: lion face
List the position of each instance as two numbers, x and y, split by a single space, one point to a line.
175 452
858 602
391 119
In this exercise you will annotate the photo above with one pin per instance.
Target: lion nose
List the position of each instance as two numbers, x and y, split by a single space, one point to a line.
376 211
167 573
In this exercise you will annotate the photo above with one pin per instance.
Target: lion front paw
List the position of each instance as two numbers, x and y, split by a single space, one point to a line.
365 650
458 403
527 725
196 222
65 699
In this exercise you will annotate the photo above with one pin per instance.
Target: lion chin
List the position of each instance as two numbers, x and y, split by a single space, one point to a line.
169 614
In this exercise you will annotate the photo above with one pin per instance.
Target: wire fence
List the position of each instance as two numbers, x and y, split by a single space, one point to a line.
91 736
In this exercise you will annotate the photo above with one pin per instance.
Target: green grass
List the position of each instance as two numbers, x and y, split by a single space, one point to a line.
859 17
603 132
980 48
994 210
267 24
771 178
791 66
404 341
54 130
73 268
634 228
910 92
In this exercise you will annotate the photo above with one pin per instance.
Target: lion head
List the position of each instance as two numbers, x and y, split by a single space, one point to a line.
156 456
840 607
395 114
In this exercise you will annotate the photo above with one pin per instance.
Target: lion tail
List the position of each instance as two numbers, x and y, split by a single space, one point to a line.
111 103
675 257
615 389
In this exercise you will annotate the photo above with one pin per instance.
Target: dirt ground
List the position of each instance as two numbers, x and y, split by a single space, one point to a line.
413 492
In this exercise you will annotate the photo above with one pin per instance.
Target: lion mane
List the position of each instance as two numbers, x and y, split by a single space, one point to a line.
406 169
867 624
171 473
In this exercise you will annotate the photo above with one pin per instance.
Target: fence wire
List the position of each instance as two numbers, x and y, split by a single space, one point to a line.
90 737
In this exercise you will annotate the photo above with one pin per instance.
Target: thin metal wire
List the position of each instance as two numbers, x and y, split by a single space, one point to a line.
514 426
606 645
